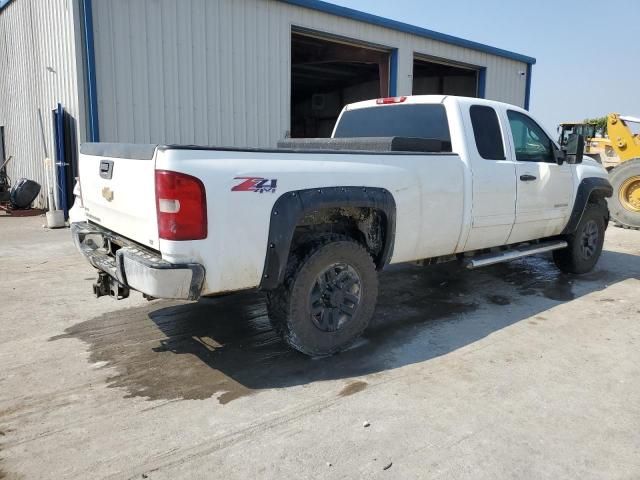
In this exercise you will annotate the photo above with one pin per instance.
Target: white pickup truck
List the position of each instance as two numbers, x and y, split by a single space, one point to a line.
403 179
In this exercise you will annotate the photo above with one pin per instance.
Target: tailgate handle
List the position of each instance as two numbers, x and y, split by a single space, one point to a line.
106 169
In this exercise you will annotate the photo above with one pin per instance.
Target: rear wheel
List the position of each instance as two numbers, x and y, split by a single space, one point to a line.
585 244
328 296
624 204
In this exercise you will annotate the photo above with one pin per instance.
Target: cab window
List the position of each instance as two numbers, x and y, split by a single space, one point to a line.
530 141
486 130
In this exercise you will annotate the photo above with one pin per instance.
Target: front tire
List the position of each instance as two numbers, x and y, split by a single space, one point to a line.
585 244
328 296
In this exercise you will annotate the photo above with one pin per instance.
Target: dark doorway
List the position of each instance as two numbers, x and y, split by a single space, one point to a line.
432 78
328 74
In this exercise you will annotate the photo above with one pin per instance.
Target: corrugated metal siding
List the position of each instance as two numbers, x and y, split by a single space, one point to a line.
217 72
38 69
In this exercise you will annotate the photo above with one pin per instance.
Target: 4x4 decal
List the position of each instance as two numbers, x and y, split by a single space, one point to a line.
255 184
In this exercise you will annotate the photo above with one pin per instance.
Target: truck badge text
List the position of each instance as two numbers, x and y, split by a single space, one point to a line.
255 184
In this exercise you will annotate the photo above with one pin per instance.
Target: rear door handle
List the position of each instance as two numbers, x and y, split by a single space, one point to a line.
528 178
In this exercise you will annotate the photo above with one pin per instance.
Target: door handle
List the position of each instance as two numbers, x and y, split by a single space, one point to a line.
528 178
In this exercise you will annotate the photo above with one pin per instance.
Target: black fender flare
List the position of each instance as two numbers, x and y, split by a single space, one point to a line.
588 186
292 206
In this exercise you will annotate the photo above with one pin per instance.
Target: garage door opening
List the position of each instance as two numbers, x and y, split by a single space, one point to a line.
328 74
432 78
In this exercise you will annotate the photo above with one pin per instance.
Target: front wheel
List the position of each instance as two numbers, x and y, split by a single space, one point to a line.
328 297
585 244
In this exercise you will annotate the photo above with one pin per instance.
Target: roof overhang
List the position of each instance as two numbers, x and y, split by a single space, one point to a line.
352 14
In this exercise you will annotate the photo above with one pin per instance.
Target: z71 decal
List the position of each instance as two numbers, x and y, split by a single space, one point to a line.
255 184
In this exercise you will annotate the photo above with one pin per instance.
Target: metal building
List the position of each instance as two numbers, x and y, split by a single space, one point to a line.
218 72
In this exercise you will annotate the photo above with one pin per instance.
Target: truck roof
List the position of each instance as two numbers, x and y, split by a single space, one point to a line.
422 99
406 99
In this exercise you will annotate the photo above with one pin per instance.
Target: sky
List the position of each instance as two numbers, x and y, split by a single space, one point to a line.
587 52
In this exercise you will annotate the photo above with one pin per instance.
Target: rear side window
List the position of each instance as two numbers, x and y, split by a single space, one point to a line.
486 130
419 121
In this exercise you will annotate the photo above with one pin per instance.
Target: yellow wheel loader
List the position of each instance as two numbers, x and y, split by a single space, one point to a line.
620 155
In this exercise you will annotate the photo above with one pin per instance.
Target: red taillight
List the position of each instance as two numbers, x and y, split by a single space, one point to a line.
388 100
181 204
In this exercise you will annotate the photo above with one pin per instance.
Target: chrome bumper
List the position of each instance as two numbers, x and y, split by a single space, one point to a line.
137 268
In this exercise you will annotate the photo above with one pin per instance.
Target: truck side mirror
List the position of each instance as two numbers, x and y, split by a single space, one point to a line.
574 150
560 156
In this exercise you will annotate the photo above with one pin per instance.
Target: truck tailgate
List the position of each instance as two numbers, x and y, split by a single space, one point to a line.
118 189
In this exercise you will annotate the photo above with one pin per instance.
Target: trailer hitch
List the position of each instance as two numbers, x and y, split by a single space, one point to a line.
107 285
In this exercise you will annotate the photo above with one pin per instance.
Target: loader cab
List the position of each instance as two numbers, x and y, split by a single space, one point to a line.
587 130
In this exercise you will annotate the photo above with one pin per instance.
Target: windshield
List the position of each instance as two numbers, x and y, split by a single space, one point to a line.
419 121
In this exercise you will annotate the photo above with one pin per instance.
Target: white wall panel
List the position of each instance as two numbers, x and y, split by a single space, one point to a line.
218 71
38 69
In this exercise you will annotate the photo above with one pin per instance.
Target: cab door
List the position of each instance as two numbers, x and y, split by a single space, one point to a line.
544 188
494 177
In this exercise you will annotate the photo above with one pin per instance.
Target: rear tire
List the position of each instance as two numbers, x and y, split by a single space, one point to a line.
327 298
585 244
624 204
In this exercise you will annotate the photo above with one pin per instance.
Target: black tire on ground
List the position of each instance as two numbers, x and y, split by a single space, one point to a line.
328 296
622 216
585 244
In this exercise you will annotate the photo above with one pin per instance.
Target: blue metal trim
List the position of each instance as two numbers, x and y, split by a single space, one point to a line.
330 8
4 3
93 134
393 73
61 164
482 82
527 93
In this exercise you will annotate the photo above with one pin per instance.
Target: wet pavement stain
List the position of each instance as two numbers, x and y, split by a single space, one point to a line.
538 275
225 347
352 388
165 349
499 300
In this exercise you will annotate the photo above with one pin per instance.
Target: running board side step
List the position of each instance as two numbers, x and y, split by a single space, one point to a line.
508 255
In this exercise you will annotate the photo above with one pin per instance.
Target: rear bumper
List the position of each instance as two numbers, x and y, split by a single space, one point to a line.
135 267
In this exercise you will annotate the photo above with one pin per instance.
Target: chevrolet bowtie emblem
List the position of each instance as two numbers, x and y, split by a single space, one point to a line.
107 193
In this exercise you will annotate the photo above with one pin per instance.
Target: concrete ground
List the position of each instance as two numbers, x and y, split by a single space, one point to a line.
514 371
